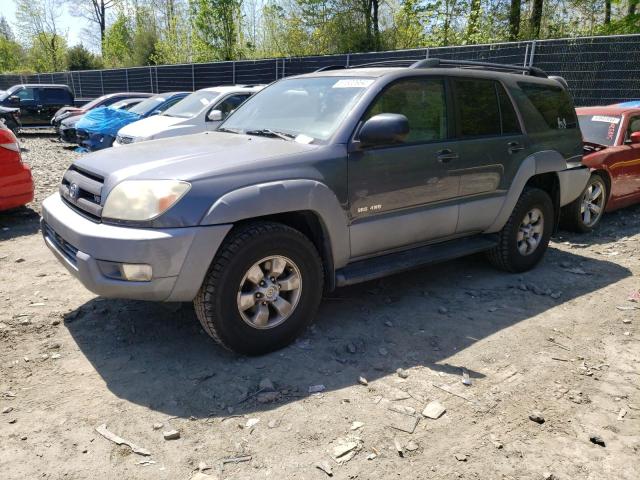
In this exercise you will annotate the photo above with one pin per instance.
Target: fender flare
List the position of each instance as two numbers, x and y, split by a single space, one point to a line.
287 196
535 164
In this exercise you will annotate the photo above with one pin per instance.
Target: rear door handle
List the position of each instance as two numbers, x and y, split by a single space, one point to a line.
513 147
446 155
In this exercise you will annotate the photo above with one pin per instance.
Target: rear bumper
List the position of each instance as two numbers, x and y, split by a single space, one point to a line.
16 189
572 183
179 257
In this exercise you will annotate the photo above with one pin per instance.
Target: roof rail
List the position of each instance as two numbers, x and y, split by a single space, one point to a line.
331 67
442 63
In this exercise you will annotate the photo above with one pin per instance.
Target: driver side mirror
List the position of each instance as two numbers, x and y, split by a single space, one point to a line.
214 116
14 101
384 129
634 137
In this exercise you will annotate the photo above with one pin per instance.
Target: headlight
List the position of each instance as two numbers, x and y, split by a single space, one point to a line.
140 200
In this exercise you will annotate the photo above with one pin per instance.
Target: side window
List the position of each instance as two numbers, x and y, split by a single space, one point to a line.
55 96
552 106
168 104
422 101
26 94
230 104
477 111
634 126
509 119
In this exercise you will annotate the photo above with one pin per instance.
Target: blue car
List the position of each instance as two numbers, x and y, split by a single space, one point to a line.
98 128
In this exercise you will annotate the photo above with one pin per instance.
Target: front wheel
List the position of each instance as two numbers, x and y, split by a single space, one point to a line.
262 290
585 212
525 237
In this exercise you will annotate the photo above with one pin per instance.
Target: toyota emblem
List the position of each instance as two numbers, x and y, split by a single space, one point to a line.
74 191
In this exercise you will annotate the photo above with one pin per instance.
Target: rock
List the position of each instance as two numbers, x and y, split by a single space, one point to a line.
548 476
626 321
537 417
411 446
343 448
621 413
268 397
383 351
55 356
596 439
388 323
7 409
266 385
171 434
402 373
55 321
522 287
565 264
371 456
405 409
201 476
19 260
363 381
434 410
325 467
351 348
356 425
466 380
202 466
442 310
13 420
158 426
461 457
24 437
316 388
402 422
252 422
398 446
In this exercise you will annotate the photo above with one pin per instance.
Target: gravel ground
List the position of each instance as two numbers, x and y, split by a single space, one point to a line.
558 344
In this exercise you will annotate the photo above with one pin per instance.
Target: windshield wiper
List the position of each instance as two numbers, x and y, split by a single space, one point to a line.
267 132
228 130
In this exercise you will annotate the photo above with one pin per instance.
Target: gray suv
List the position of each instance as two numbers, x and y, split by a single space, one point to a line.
323 180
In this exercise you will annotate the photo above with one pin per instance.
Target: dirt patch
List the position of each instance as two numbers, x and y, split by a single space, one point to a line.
560 341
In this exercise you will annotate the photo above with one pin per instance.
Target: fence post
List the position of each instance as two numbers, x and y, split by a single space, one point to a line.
126 75
426 53
73 86
157 89
193 77
101 82
276 69
80 83
233 78
39 78
526 55
348 59
533 51
150 80
284 63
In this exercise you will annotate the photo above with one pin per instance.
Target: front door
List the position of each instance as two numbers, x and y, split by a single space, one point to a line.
29 106
401 194
629 178
51 100
226 106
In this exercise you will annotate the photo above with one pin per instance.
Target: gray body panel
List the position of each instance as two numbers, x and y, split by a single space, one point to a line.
369 201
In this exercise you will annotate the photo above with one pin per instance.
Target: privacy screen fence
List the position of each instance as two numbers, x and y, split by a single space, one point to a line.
599 70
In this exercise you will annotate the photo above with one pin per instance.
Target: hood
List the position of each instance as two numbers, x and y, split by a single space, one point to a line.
106 120
8 109
149 126
66 110
189 157
70 122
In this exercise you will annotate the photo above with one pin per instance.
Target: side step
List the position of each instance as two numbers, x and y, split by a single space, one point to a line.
378 267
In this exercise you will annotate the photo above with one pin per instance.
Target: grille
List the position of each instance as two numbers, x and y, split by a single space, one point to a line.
124 140
82 191
64 247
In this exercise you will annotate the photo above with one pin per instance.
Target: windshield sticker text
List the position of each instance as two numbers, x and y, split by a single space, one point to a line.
353 83
605 119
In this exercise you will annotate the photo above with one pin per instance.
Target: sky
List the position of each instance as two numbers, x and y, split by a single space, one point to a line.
71 25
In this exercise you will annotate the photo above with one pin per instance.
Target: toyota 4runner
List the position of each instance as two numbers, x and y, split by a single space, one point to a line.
323 180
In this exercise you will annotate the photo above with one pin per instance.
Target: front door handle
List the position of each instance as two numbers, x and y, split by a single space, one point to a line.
446 155
513 147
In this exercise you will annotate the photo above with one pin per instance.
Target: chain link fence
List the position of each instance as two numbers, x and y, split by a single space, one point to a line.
599 70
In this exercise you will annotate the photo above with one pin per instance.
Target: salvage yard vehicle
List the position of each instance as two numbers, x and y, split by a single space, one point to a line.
201 111
98 128
11 118
319 181
67 128
16 184
37 102
103 101
612 152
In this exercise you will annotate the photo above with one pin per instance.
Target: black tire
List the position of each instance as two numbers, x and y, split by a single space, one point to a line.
571 217
506 255
216 303
12 125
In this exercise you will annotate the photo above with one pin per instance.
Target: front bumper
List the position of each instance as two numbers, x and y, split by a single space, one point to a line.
179 257
572 183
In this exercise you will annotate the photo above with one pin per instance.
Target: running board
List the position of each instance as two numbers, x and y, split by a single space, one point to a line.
378 267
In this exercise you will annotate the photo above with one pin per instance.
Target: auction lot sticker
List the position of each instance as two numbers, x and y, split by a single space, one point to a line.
605 119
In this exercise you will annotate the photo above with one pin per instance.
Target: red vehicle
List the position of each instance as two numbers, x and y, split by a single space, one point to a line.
611 138
16 184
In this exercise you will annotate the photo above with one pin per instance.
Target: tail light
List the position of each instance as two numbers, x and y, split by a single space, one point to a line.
11 146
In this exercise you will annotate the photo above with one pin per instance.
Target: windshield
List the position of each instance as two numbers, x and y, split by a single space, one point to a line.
599 129
192 104
306 108
148 105
7 93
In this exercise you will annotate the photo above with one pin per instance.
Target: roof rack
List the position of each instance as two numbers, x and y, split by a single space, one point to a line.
441 63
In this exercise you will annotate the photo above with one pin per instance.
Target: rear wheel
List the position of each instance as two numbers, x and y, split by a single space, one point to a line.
525 237
262 290
585 212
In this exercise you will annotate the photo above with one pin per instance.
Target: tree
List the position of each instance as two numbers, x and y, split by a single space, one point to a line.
536 18
95 11
79 58
117 42
215 24
38 20
514 19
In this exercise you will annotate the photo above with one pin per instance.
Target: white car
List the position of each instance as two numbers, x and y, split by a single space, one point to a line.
200 111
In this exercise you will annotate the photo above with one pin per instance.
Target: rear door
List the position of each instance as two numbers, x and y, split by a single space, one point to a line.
52 99
490 146
402 194
630 174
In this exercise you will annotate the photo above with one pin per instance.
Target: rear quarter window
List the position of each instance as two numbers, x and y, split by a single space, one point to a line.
547 107
56 96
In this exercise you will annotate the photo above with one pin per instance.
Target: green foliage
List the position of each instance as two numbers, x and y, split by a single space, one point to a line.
79 58
116 48
216 29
